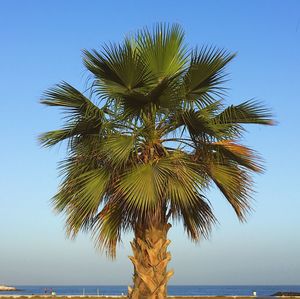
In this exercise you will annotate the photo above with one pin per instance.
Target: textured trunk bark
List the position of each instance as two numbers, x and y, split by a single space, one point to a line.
150 259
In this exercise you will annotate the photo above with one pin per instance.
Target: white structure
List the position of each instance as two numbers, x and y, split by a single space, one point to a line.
6 288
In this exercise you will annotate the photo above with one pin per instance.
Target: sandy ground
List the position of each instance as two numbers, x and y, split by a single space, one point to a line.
123 297
120 297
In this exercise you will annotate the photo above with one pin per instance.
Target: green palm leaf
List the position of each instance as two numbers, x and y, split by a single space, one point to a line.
118 70
235 184
163 50
141 188
198 219
157 138
118 149
249 112
83 117
80 197
205 75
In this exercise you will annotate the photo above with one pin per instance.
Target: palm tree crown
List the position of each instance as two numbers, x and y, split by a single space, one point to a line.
150 138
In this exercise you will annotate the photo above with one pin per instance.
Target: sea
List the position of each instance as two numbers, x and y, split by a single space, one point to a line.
173 290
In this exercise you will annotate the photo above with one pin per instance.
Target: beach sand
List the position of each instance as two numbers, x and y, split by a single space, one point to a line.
123 297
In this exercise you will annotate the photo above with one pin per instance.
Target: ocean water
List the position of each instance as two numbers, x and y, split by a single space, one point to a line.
188 290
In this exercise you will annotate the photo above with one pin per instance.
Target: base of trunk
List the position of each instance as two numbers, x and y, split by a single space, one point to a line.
150 263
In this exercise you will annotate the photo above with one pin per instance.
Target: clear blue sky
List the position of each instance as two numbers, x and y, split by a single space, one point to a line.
41 43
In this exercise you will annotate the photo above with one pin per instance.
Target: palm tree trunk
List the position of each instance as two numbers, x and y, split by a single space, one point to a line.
150 259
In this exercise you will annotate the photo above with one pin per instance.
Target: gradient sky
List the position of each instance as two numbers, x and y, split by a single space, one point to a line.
41 43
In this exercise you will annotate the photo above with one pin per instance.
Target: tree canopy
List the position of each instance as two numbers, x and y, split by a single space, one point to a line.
150 135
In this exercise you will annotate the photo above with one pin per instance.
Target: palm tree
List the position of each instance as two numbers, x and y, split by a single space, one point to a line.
144 143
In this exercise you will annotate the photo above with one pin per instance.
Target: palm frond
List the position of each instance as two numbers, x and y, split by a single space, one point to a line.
83 117
158 139
107 226
205 75
235 184
201 125
118 70
69 99
163 50
198 219
80 197
237 153
140 188
249 112
118 149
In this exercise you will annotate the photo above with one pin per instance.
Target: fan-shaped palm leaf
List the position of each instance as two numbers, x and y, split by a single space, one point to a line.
158 137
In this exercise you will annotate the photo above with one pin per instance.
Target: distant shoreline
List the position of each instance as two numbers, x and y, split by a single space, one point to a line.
5 288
